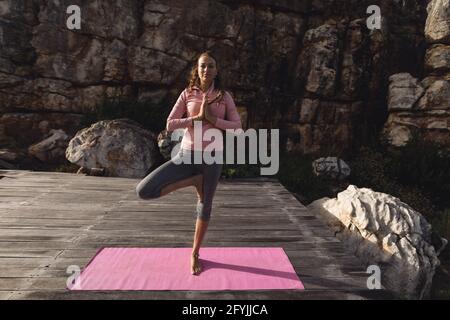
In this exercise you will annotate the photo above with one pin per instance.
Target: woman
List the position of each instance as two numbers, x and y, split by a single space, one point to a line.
204 100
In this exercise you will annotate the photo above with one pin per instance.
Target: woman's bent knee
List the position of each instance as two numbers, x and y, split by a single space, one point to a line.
146 193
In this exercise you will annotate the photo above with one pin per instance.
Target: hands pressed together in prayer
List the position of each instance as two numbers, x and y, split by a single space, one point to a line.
205 113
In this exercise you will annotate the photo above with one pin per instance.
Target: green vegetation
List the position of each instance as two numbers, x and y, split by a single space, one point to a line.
67 167
418 174
230 171
296 174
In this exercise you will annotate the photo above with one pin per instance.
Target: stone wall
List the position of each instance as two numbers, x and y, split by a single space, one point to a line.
311 68
423 107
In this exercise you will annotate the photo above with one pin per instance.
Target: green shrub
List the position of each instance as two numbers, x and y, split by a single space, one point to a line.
422 165
246 170
231 171
418 174
369 169
441 223
296 174
66 167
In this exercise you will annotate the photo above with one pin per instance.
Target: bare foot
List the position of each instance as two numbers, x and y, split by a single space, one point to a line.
196 267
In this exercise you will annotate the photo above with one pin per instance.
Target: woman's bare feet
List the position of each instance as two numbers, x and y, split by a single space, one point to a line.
196 267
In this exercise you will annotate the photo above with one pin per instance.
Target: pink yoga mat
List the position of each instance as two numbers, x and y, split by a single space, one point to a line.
169 269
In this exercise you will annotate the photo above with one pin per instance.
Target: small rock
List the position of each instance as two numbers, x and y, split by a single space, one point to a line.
52 147
91 171
331 167
83 170
8 155
166 144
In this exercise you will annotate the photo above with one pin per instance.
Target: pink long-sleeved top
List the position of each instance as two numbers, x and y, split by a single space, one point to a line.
189 102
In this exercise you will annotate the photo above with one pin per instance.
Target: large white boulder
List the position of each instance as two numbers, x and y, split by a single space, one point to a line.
382 230
122 147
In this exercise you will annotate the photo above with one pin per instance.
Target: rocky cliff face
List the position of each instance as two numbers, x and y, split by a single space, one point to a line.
311 68
423 107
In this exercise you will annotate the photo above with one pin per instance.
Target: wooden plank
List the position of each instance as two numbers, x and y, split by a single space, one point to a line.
147 242
202 295
59 283
49 221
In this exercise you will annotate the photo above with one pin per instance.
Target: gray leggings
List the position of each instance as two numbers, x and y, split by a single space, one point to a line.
170 172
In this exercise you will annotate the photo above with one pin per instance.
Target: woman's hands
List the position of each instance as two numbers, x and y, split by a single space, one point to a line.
205 113
203 109
208 115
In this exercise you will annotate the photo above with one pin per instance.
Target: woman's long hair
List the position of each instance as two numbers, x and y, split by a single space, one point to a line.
194 79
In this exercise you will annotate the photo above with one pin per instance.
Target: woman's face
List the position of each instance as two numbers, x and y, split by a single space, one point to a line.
207 69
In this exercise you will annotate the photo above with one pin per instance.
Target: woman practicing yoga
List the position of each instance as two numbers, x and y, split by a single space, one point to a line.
205 101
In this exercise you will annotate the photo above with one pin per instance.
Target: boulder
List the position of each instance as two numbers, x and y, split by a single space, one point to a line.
382 230
437 26
437 96
437 58
8 155
52 148
397 135
166 144
404 91
122 147
331 167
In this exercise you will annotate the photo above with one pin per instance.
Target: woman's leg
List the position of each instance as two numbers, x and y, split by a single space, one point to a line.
168 177
196 181
200 230
211 175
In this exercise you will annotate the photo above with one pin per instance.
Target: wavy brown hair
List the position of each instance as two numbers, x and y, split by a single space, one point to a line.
194 79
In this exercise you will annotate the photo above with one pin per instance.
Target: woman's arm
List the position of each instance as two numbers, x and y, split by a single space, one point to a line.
233 120
174 120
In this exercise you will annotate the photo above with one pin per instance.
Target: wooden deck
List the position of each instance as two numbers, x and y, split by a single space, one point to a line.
49 221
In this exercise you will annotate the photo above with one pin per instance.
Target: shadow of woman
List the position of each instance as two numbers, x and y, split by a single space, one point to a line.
208 265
